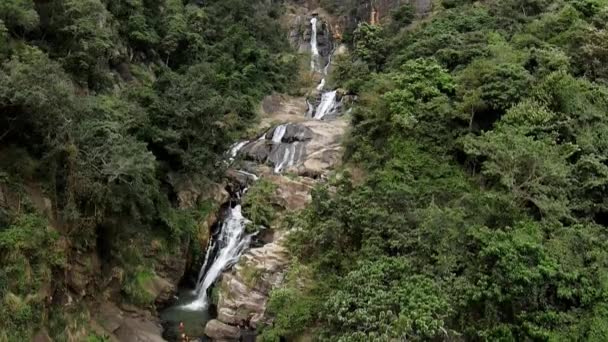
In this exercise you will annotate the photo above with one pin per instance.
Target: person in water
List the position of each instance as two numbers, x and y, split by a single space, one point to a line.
183 336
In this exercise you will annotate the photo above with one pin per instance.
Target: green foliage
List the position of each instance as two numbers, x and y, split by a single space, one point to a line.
258 203
103 104
349 74
379 300
293 314
96 338
370 45
86 31
292 306
482 137
31 252
37 97
19 15
535 171
135 288
403 16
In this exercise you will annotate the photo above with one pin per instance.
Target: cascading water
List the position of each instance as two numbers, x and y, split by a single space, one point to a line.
327 105
292 153
279 133
321 85
328 99
314 49
232 241
310 109
234 150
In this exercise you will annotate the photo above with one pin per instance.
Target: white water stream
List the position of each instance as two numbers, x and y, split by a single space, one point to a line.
314 49
327 105
328 99
232 243
292 154
234 150
225 250
279 133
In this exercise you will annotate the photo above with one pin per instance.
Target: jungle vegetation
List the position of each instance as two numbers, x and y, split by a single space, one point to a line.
473 201
104 107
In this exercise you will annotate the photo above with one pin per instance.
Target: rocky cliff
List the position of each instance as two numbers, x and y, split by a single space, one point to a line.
313 148
244 290
345 15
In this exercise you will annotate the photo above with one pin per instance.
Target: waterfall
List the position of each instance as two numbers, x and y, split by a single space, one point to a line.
285 160
326 68
248 174
321 85
328 98
311 109
292 153
328 103
234 150
232 243
278 134
313 45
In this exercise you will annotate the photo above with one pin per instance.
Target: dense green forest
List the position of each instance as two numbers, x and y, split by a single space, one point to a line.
472 200
103 104
472 205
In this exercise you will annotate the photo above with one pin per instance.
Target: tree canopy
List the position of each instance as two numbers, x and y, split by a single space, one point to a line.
469 206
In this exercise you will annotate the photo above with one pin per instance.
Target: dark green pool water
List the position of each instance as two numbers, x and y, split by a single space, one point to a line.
194 321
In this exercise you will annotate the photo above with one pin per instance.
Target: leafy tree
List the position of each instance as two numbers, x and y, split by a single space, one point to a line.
477 212
403 16
19 15
174 26
257 204
369 45
595 54
379 300
87 36
534 170
37 97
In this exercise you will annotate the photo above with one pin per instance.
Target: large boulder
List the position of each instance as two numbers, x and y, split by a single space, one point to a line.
258 150
83 270
287 155
245 290
139 330
293 132
292 194
159 288
135 326
221 331
297 132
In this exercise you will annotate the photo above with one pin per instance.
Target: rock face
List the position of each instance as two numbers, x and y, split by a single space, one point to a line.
246 289
220 331
133 326
312 147
349 14
189 191
301 32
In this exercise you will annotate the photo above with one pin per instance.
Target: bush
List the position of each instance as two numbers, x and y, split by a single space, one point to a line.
258 203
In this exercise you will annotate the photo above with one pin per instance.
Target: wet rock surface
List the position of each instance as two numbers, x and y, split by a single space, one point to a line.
246 289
